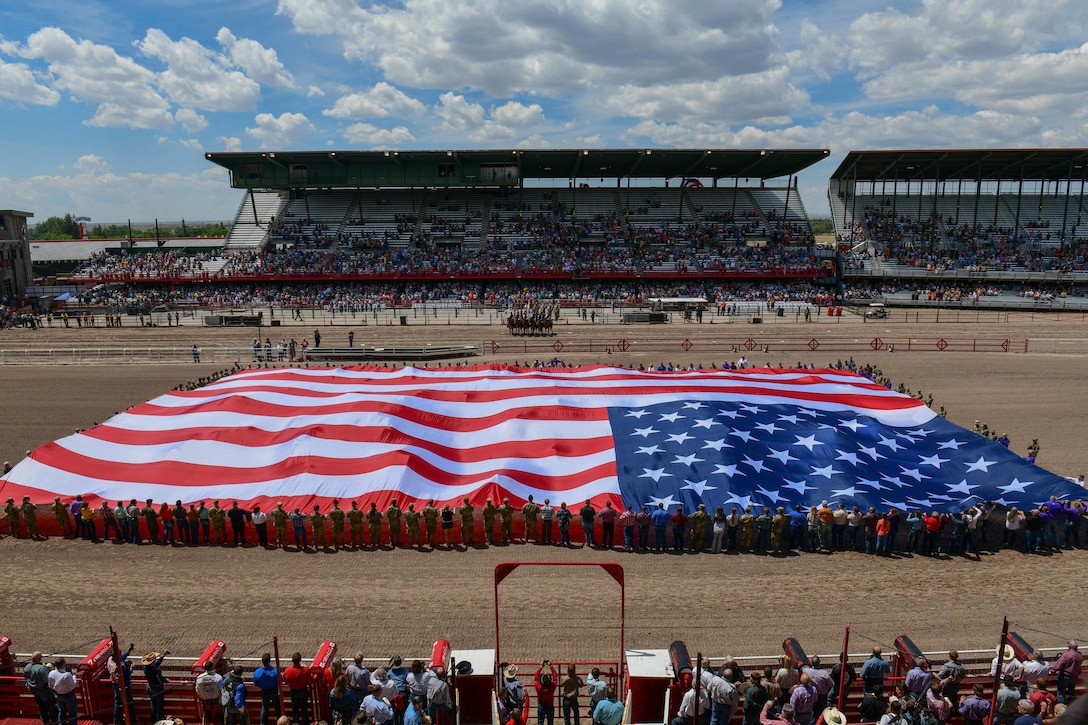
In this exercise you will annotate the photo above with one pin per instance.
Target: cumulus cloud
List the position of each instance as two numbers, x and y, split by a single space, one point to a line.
190 120
17 83
315 92
283 131
768 97
364 134
229 143
551 47
378 102
261 64
168 195
123 90
460 117
195 77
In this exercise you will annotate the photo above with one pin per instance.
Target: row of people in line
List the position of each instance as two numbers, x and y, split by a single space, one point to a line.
753 529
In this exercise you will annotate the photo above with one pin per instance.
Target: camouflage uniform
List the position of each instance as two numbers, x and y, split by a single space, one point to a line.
355 521
374 517
12 512
63 520
506 513
336 516
219 522
392 515
747 528
430 520
317 521
411 520
530 511
279 521
30 518
467 522
699 520
489 522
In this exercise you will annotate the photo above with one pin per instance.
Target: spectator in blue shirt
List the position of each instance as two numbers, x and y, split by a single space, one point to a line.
660 519
267 679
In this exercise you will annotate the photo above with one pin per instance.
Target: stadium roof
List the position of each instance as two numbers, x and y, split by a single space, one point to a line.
984 164
563 164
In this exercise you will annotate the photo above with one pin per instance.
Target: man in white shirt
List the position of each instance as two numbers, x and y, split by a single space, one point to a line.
1035 668
1010 666
63 684
686 714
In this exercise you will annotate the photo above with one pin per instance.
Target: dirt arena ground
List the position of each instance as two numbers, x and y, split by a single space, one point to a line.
61 595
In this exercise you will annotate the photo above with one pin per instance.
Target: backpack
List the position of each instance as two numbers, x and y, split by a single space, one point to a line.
207 688
515 695
226 697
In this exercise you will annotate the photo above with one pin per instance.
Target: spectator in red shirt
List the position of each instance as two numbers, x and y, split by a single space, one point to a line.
545 684
297 678
679 524
933 533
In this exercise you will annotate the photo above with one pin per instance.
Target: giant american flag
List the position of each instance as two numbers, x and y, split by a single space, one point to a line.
761 437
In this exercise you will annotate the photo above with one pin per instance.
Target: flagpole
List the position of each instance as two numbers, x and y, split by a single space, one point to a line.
998 668
843 657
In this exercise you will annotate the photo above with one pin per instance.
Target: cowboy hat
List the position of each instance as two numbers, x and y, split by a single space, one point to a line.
511 671
149 658
833 716
1009 654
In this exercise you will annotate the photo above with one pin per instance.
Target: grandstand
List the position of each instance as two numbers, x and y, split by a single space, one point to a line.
1005 216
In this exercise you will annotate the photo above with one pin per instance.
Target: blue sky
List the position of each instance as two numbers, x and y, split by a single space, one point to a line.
107 108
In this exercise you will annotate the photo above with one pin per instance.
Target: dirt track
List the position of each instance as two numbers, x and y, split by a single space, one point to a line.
64 594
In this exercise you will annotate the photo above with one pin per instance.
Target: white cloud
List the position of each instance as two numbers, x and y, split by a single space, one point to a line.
365 134
315 92
821 53
283 131
17 83
261 64
195 77
378 102
768 98
166 196
192 143
190 120
123 90
472 121
229 143
549 48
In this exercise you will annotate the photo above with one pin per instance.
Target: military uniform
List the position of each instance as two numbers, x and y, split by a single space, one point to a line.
392 515
778 525
317 521
699 520
411 520
355 522
219 522
336 517
430 520
530 511
374 517
467 522
506 515
279 521
151 517
747 528
63 520
12 512
30 518
489 511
